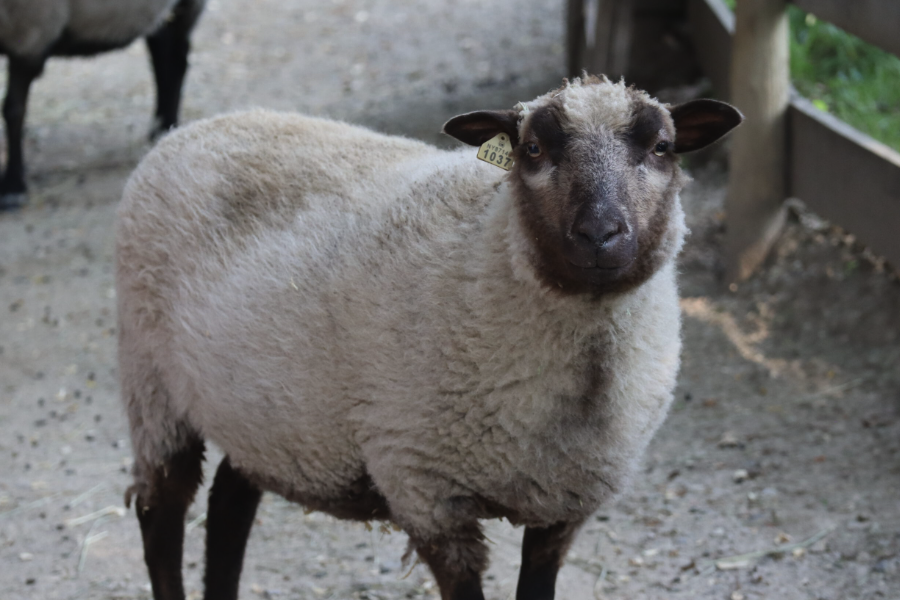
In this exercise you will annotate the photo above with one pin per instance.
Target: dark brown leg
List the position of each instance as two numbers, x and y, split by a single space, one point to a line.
21 73
161 515
229 517
169 47
457 562
543 552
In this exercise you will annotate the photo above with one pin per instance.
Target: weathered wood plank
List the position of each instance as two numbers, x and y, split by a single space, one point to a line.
712 25
875 21
760 86
846 176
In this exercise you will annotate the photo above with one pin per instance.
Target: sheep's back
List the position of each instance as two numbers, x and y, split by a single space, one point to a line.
209 189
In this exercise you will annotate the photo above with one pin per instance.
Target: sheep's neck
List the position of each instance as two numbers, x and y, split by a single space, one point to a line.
515 329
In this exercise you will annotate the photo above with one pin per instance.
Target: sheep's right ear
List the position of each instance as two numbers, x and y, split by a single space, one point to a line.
699 123
475 128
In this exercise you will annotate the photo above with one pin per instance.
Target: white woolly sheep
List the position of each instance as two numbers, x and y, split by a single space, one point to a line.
378 329
33 30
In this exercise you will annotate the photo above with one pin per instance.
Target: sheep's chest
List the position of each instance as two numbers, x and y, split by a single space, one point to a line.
554 444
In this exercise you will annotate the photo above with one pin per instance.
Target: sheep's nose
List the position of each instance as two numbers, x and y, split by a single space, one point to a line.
604 238
598 232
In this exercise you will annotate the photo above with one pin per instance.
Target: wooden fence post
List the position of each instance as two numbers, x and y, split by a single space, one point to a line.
760 88
598 36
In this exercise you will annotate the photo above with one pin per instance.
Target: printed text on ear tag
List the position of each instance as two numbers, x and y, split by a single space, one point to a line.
497 151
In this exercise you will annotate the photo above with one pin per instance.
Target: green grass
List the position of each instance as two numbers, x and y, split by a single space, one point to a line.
841 74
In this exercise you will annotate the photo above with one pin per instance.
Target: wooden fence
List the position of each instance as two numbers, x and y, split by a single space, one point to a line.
787 147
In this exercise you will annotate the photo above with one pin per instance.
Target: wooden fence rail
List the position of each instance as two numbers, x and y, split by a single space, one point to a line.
838 171
787 148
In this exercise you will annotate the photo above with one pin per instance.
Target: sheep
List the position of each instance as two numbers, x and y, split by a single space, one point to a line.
381 330
33 30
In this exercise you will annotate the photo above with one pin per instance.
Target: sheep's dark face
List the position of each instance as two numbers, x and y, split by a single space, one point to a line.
596 179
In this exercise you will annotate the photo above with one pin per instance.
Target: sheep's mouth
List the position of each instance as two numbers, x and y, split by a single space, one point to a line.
601 278
597 268
602 268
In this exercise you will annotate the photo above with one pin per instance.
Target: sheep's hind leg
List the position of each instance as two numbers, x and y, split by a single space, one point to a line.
232 507
457 562
21 73
169 47
161 510
543 552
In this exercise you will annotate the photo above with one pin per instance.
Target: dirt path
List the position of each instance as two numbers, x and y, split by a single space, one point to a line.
786 424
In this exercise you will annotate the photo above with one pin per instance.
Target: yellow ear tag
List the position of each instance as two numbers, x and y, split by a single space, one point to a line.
497 151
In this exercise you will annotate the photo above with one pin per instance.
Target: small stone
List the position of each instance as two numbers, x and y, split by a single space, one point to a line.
740 476
729 439
26 556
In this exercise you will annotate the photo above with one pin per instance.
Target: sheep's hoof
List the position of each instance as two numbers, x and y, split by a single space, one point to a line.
13 200
158 129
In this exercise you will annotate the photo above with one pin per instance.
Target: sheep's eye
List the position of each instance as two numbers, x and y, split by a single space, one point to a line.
661 148
533 150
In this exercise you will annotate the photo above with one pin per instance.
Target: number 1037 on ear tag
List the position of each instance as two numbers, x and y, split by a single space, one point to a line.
497 151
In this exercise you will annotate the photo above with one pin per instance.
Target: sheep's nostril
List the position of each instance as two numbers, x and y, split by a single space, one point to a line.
598 233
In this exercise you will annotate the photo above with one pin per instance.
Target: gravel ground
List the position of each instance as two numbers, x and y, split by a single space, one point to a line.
784 440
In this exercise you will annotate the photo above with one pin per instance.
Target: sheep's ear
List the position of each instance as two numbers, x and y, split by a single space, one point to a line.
699 123
475 128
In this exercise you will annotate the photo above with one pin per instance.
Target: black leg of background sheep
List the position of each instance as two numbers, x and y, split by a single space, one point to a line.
543 552
169 47
457 563
21 73
232 507
161 516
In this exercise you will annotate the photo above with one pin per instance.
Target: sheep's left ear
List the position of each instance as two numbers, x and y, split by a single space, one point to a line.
699 123
475 128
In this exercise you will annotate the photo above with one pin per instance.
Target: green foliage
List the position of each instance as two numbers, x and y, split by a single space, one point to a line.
857 82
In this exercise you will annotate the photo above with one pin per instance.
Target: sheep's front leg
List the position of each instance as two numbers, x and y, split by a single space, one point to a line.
21 73
543 552
232 507
456 561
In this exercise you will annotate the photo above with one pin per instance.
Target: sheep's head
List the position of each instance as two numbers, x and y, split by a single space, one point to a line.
596 177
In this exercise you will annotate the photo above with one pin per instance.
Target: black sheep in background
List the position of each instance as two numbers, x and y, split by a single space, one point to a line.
31 31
